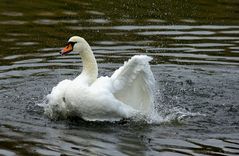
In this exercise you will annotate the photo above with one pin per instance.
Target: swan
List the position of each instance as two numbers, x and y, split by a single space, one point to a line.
125 94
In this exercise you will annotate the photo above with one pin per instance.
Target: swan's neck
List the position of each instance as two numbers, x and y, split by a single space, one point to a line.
90 68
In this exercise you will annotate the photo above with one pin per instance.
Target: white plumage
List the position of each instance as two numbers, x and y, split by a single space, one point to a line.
127 93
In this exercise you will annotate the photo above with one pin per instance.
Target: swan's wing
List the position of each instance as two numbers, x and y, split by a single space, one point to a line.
133 83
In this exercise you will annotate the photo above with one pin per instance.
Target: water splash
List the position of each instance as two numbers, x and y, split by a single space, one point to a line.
155 117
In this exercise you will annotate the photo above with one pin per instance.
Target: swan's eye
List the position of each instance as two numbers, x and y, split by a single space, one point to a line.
71 43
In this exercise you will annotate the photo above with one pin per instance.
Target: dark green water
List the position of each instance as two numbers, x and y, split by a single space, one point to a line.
195 46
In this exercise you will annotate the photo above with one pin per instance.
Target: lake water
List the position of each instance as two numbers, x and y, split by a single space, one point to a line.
195 50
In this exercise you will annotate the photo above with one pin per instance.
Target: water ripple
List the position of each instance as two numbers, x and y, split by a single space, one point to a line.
13 22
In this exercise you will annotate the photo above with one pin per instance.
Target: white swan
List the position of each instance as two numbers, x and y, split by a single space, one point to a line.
127 93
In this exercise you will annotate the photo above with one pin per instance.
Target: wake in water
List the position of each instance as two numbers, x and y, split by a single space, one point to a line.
59 111
159 114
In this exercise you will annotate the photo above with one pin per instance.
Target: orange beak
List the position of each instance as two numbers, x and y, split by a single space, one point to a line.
68 48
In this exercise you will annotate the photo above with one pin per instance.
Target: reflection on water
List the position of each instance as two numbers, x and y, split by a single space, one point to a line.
195 46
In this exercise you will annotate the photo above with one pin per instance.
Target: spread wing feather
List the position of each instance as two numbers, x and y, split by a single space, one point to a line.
133 83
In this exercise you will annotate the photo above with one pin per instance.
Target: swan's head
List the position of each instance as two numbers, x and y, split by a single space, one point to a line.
75 44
